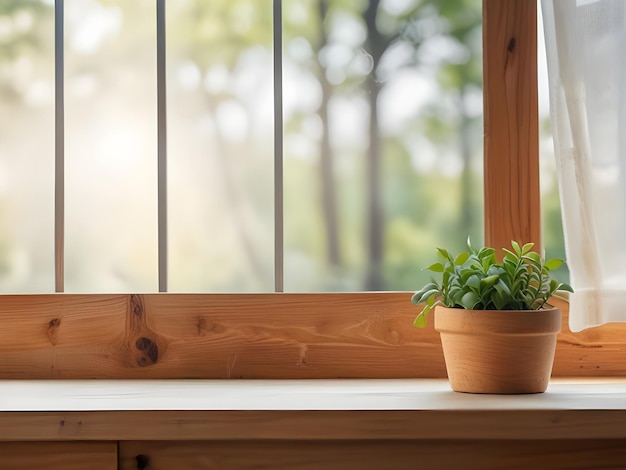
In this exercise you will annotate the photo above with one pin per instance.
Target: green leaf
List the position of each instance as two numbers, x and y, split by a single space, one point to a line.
469 300
473 264
445 278
420 320
473 282
500 296
516 285
428 295
510 255
454 297
533 257
496 269
516 247
486 253
490 280
445 255
486 263
527 247
436 268
553 285
510 266
417 297
466 274
565 287
553 264
461 258
504 287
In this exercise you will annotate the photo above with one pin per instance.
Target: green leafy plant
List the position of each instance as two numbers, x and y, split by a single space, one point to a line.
475 280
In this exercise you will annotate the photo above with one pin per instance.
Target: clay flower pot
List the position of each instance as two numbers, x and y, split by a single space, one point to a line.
491 351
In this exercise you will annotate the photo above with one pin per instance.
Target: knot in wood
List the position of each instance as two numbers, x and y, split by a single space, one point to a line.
53 326
136 305
142 461
201 326
512 44
149 349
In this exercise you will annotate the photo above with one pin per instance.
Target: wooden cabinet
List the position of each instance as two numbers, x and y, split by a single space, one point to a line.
374 455
58 455
570 454
293 425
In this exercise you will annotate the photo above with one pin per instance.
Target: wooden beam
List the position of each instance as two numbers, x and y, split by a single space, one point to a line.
511 160
214 336
282 336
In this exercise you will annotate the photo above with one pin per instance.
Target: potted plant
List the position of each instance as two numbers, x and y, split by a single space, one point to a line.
498 330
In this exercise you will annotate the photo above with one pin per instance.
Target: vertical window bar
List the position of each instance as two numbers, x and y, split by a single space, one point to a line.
161 147
278 149
59 151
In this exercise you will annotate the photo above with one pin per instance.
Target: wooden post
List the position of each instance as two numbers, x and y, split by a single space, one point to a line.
511 161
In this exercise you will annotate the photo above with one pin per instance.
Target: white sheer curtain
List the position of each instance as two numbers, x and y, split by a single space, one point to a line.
586 51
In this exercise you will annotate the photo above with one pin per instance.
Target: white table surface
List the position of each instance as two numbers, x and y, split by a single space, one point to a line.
405 394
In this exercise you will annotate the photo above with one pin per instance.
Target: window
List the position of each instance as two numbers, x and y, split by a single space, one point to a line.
381 143
27 146
310 335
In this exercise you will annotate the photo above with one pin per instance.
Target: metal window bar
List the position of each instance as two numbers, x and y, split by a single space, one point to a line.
161 146
59 150
278 149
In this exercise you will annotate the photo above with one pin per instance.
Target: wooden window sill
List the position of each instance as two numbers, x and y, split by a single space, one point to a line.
304 410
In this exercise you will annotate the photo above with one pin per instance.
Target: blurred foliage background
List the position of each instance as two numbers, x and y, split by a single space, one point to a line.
382 143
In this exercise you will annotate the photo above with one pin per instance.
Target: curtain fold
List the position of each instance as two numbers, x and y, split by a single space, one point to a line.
586 52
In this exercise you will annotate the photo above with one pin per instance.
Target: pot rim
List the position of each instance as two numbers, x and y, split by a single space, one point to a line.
505 322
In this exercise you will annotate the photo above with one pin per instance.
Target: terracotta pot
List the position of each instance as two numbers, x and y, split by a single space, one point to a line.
490 351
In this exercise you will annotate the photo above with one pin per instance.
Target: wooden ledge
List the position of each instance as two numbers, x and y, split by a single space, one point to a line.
249 336
304 410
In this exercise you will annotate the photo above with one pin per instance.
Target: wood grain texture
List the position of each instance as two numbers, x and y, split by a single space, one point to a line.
58 455
214 336
396 455
308 336
312 425
511 160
